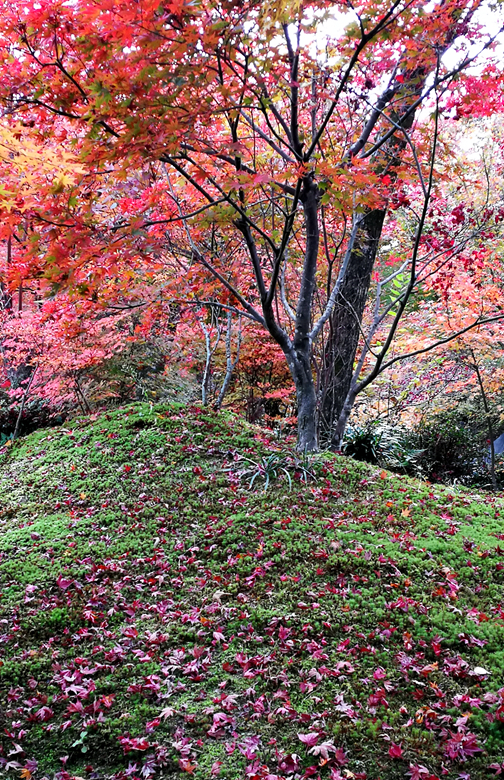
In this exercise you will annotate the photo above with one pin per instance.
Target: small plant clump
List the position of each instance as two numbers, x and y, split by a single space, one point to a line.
182 598
269 467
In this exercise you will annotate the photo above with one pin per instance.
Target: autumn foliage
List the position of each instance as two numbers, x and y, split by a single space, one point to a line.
169 166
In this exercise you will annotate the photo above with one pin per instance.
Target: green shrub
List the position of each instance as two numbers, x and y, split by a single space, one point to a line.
449 447
453 448
383 444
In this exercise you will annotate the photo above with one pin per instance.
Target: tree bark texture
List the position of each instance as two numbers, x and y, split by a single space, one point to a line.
345 322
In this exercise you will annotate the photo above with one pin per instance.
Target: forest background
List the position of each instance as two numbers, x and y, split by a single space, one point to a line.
292 210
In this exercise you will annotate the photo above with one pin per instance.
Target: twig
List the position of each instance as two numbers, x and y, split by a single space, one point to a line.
25 396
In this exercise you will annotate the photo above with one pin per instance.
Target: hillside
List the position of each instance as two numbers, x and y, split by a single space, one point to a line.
162 617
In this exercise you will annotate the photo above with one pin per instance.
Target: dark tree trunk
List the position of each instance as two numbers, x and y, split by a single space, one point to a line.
306 397
300 359
345 323
5 295
307 425
341 423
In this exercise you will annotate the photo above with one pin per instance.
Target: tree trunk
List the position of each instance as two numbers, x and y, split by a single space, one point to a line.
23 402
345 323
306 404
300 360
488 420
342 421
5 295
230 363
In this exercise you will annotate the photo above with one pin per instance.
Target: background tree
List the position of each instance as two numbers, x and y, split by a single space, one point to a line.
219 136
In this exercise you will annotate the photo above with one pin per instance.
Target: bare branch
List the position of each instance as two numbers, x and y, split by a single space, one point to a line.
336 288
438 343
283 293
408 141
437 82
268 140
419 232
365 39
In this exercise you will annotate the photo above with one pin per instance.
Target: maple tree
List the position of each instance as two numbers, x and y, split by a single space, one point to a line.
278 182
230 156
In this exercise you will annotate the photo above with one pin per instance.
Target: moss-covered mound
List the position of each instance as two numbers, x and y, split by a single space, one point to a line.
162 617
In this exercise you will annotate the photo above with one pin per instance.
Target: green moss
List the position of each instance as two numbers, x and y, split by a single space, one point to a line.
127 542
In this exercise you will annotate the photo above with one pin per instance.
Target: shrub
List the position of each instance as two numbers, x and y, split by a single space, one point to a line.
448 447
453 448
384 444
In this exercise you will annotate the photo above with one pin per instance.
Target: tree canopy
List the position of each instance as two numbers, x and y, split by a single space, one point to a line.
256 159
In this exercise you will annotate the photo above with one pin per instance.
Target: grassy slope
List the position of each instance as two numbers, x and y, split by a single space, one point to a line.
166 617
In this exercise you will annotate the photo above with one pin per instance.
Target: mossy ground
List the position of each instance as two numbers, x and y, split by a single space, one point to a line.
158 617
